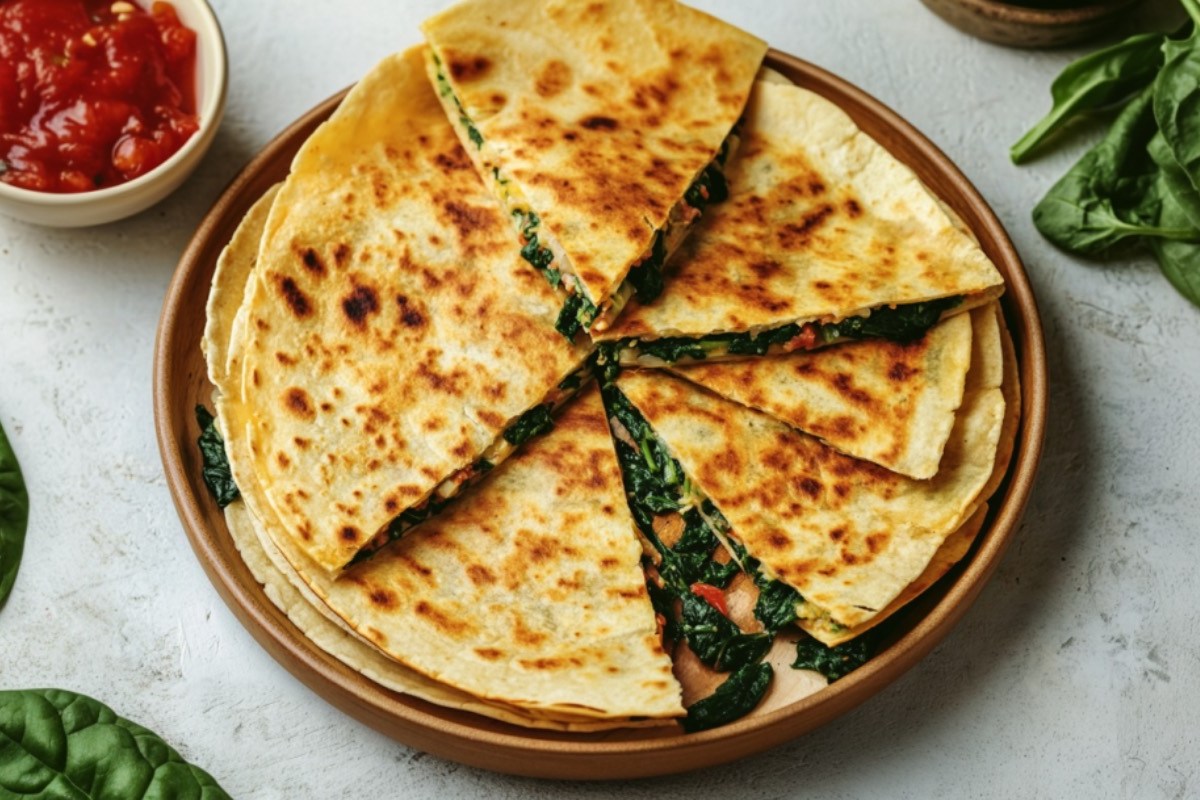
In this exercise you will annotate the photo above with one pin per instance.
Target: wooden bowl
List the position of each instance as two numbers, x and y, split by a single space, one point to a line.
1021 26
180 383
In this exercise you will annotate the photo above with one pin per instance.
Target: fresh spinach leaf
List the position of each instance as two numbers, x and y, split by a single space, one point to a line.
1177 96
1179 261
833 662
59 744
1101 200
217 475
646 277
733 699
904 323
715 639
1175 180
776 606
14 516
533 422
1097 80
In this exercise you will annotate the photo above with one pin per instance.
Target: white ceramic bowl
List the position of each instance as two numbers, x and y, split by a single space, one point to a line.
116 202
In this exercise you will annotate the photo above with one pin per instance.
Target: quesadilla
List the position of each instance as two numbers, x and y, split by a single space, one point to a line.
604 127
390 345
885 402
847 535
825 237
434 616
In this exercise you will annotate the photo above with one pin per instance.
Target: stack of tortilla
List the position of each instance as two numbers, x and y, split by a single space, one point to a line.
406 385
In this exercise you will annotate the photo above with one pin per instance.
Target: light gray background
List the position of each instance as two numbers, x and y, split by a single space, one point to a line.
1074 675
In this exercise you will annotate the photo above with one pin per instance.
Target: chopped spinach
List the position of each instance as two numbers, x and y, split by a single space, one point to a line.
776 606
446 90
905 323
733 699
646 276
14 516
709 187
577 313
715 639
64 745
217 474
532 423
834 662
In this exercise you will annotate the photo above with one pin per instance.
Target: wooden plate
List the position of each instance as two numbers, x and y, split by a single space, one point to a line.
180 383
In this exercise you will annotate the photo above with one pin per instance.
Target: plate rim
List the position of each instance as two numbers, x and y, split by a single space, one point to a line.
509 748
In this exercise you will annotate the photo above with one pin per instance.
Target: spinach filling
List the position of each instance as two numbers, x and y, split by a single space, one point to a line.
446 90
533 422
656 484
902 324
577 310
218 477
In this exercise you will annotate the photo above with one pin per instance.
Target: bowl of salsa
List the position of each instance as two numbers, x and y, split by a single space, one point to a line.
106 106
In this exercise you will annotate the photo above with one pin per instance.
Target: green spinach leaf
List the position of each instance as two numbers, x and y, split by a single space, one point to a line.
715 639
59 744
834 662
1175 180
533 422
904 323
1097 80
776 606
217 475
733 699
1179 261
14 516
1177 96
1101 200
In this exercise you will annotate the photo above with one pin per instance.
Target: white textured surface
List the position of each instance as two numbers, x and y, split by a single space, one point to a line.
1074 675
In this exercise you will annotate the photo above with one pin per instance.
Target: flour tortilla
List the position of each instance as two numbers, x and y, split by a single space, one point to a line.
521 526
599 114
822 223
847 534
889 403
390 333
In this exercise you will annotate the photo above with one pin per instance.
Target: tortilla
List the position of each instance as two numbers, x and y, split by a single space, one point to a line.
390 335
848 535
889 403
591 121
822 225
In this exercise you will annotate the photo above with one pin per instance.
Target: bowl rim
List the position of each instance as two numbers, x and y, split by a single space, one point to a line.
1027 15
474 740
212 37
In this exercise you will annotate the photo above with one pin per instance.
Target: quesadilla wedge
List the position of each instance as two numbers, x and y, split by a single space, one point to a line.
604 127
825 237
390 345
847 535
889 403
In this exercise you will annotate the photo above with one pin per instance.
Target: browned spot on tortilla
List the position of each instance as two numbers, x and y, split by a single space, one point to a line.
312 262
409 315
489 653
441 621
609 563
901 371
837 534
842 382
466 68
295 298
283 460
853 209
301 442
597 122
523 635
466 219
480 574
810 487
876 542
296 400
382 598
359 304
553 78
341 254
454 161
798 233
778 540
349 534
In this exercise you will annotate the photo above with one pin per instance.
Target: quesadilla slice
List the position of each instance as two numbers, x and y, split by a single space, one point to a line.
848 536
889 403
825 237
604 128
390 346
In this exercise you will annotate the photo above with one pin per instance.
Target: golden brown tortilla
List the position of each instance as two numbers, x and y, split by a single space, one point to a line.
889 403
822 223
390 333
598 115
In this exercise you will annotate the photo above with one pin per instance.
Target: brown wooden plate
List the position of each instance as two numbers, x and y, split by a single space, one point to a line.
180 383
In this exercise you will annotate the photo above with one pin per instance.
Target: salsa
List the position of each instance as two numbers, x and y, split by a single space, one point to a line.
92 93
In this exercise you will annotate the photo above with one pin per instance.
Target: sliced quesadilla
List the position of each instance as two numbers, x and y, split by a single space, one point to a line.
604 127
549 526
846 534
825 237
886 402
390 346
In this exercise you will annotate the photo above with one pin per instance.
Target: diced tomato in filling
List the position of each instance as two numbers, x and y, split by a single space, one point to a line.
93 93
711 595
806 339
